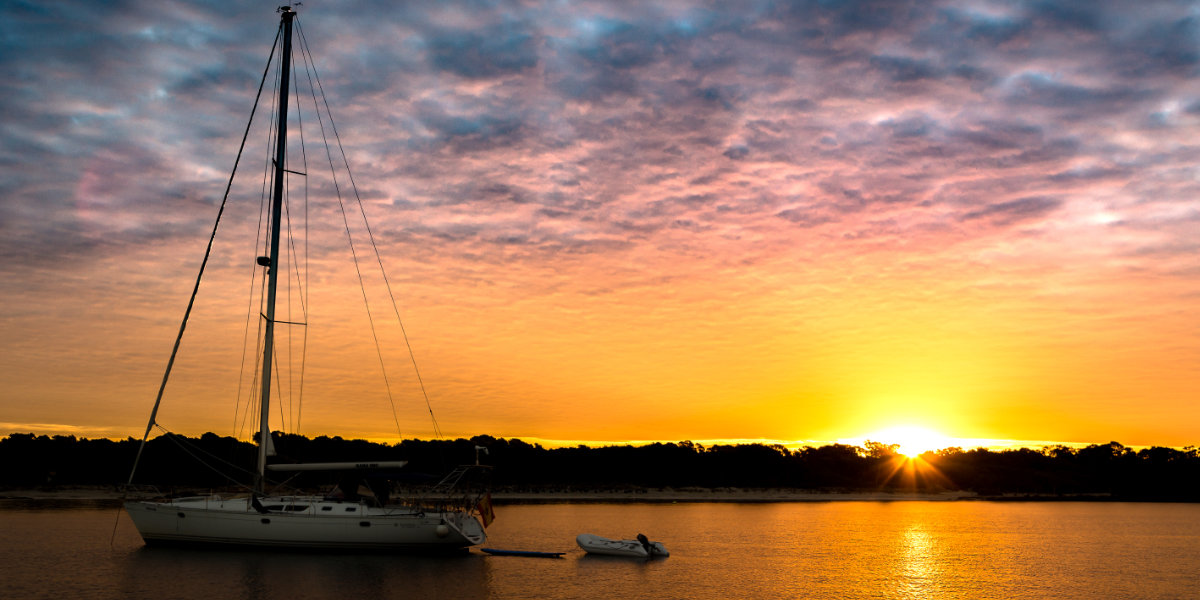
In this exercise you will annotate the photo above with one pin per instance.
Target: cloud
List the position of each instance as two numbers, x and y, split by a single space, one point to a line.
904 69
574 152
1075 101
1013 211
509 48
736 152
805 218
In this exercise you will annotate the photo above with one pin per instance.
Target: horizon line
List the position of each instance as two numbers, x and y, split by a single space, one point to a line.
10 429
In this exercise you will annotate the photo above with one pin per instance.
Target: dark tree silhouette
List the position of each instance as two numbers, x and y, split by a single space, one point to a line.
1105 470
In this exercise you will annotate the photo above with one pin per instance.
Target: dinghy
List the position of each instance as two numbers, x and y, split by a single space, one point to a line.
638 548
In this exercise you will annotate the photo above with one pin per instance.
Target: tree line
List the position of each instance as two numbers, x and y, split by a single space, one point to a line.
1107 470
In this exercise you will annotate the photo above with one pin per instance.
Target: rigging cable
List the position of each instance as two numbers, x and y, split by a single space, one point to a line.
207 253
310 69
371 236
301 281
192 450
258 275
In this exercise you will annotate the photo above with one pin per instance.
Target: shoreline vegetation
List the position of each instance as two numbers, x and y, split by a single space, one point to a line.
111 495
69 469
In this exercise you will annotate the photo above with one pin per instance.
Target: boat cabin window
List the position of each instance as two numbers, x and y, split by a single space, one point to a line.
351 509
326 508
287 507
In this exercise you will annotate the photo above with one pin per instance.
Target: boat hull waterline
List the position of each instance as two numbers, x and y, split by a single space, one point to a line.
302 523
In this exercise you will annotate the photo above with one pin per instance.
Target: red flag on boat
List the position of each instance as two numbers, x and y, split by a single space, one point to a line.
486 514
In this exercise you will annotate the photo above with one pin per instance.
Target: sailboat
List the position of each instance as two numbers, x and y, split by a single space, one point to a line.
446 517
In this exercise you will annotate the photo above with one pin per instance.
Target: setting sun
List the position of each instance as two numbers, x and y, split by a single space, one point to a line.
913 441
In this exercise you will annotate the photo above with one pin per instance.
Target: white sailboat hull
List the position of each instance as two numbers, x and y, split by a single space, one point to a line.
302 523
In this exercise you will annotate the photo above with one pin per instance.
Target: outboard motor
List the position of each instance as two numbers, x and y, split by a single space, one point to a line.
645 543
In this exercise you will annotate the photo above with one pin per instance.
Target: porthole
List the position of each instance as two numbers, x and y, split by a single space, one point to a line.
266 521
364 524
181 515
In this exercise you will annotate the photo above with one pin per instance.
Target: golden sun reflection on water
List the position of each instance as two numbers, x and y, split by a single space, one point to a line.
918 566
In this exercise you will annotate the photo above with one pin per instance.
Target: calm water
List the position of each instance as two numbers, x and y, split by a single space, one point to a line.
718 551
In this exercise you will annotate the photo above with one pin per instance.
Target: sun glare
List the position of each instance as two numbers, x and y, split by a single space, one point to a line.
913 441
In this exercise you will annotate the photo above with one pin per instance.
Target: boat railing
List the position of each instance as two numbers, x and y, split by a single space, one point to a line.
434 502
460 490
139 491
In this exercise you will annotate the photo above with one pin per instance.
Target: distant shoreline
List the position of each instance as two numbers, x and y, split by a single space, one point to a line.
110 495
667 495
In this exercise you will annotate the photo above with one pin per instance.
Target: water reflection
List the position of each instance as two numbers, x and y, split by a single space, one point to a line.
835 550
154 572
919 568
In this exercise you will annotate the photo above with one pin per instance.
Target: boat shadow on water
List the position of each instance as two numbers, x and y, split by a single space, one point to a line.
242 573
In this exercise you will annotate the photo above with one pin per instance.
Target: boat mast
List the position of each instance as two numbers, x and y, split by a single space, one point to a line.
264 432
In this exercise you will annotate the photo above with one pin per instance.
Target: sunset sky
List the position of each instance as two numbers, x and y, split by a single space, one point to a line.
627 221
